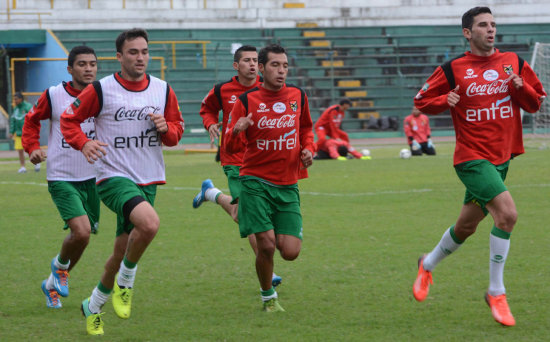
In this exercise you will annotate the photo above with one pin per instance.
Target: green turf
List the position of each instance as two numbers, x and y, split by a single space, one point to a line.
365 225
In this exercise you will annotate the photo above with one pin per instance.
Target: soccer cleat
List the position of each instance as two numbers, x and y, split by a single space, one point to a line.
22 170
276 280
366 158
342 158
500 309
52 298
201 196
122 301
94 322
421 286
60 280
273 305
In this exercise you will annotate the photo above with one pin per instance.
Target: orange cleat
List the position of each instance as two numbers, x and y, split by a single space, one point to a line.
421 286
500 309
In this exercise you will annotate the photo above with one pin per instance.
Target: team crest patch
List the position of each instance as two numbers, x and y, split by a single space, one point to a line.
508 69
294 105
76 103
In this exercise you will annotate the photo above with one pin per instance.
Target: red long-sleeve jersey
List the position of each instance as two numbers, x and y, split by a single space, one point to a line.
487 118
417 127
282 128
222 97
330 121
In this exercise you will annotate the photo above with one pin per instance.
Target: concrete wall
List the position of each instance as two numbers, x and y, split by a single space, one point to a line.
109 14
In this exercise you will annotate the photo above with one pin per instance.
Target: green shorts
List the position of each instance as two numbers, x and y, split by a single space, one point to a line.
116 191
483 181
264 207
74 199
233 181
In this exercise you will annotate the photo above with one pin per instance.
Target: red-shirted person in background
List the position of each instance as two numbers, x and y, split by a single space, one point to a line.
222 97
417 129
273 125
484 89
330 121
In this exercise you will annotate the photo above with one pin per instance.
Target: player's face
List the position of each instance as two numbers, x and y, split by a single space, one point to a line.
275 70
247 67
482 35
134 58
17 100
84 70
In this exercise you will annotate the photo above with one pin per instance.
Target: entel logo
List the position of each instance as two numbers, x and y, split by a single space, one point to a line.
497 87
282 122
279 144
492 113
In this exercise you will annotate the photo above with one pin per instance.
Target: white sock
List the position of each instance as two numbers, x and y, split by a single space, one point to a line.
97 300
266 298
446 246
60 265
126 276
211 194
499 248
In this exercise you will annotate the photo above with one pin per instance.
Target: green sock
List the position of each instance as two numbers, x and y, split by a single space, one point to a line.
61 261
103 288
128 263
268 293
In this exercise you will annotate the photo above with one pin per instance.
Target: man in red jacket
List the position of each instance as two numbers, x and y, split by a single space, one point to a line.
484 90
273 125
417 129
330 121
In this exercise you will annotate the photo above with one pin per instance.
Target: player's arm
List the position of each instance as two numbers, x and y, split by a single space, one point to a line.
30 139
436 95
306 135
527 90
407 128
235 135
170 125
210 112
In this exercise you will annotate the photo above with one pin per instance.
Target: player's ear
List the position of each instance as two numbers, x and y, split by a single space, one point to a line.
467 33
235 66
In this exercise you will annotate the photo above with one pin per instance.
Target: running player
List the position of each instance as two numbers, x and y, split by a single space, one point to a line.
222 97
484 89
273 124
135 114
71 180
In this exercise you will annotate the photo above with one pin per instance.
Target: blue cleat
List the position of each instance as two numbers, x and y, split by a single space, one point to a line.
276 280
60 280
201 196
52 299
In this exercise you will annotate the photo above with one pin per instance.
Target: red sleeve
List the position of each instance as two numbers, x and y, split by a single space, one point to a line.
407 127
235 142
529 96
306 128
210 109
174 120
432 98
42 110
85 106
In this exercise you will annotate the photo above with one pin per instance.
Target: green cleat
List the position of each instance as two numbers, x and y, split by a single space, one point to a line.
273 305
122 301
94 322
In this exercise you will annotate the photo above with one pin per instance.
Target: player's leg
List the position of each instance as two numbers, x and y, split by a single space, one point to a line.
20 152
429 150
415 151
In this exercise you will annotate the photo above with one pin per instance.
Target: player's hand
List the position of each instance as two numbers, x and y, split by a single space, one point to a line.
93 149
453 97
415 145
306 157
160 122
242 124
214 131
37 156
430 143
516 81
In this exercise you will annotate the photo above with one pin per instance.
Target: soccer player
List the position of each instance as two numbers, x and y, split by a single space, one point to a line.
337 149
222 97
484 89
17 120
330 121
135 113
71 180
418 132
274 125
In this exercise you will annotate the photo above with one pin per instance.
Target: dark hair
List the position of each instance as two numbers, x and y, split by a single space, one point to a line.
130 35
345 101
79 50
273 48
239 53
343 150
19 95
468 17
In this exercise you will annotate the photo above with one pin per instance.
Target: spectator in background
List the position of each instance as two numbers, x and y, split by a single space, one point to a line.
417 130
17 120
330 121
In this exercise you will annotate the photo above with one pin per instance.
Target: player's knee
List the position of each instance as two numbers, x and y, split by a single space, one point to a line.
81 236
507 220
266 245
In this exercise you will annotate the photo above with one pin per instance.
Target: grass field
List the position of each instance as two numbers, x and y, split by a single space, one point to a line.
365 225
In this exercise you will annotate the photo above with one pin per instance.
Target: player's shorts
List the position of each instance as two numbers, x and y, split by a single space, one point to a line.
116 191
232 173
264 207
74 199
17 145
483 181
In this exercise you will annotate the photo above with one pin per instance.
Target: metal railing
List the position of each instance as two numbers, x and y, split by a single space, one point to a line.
173 45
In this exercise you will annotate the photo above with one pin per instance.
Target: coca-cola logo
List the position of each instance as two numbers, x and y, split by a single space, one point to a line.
282 122
497 87
123 114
